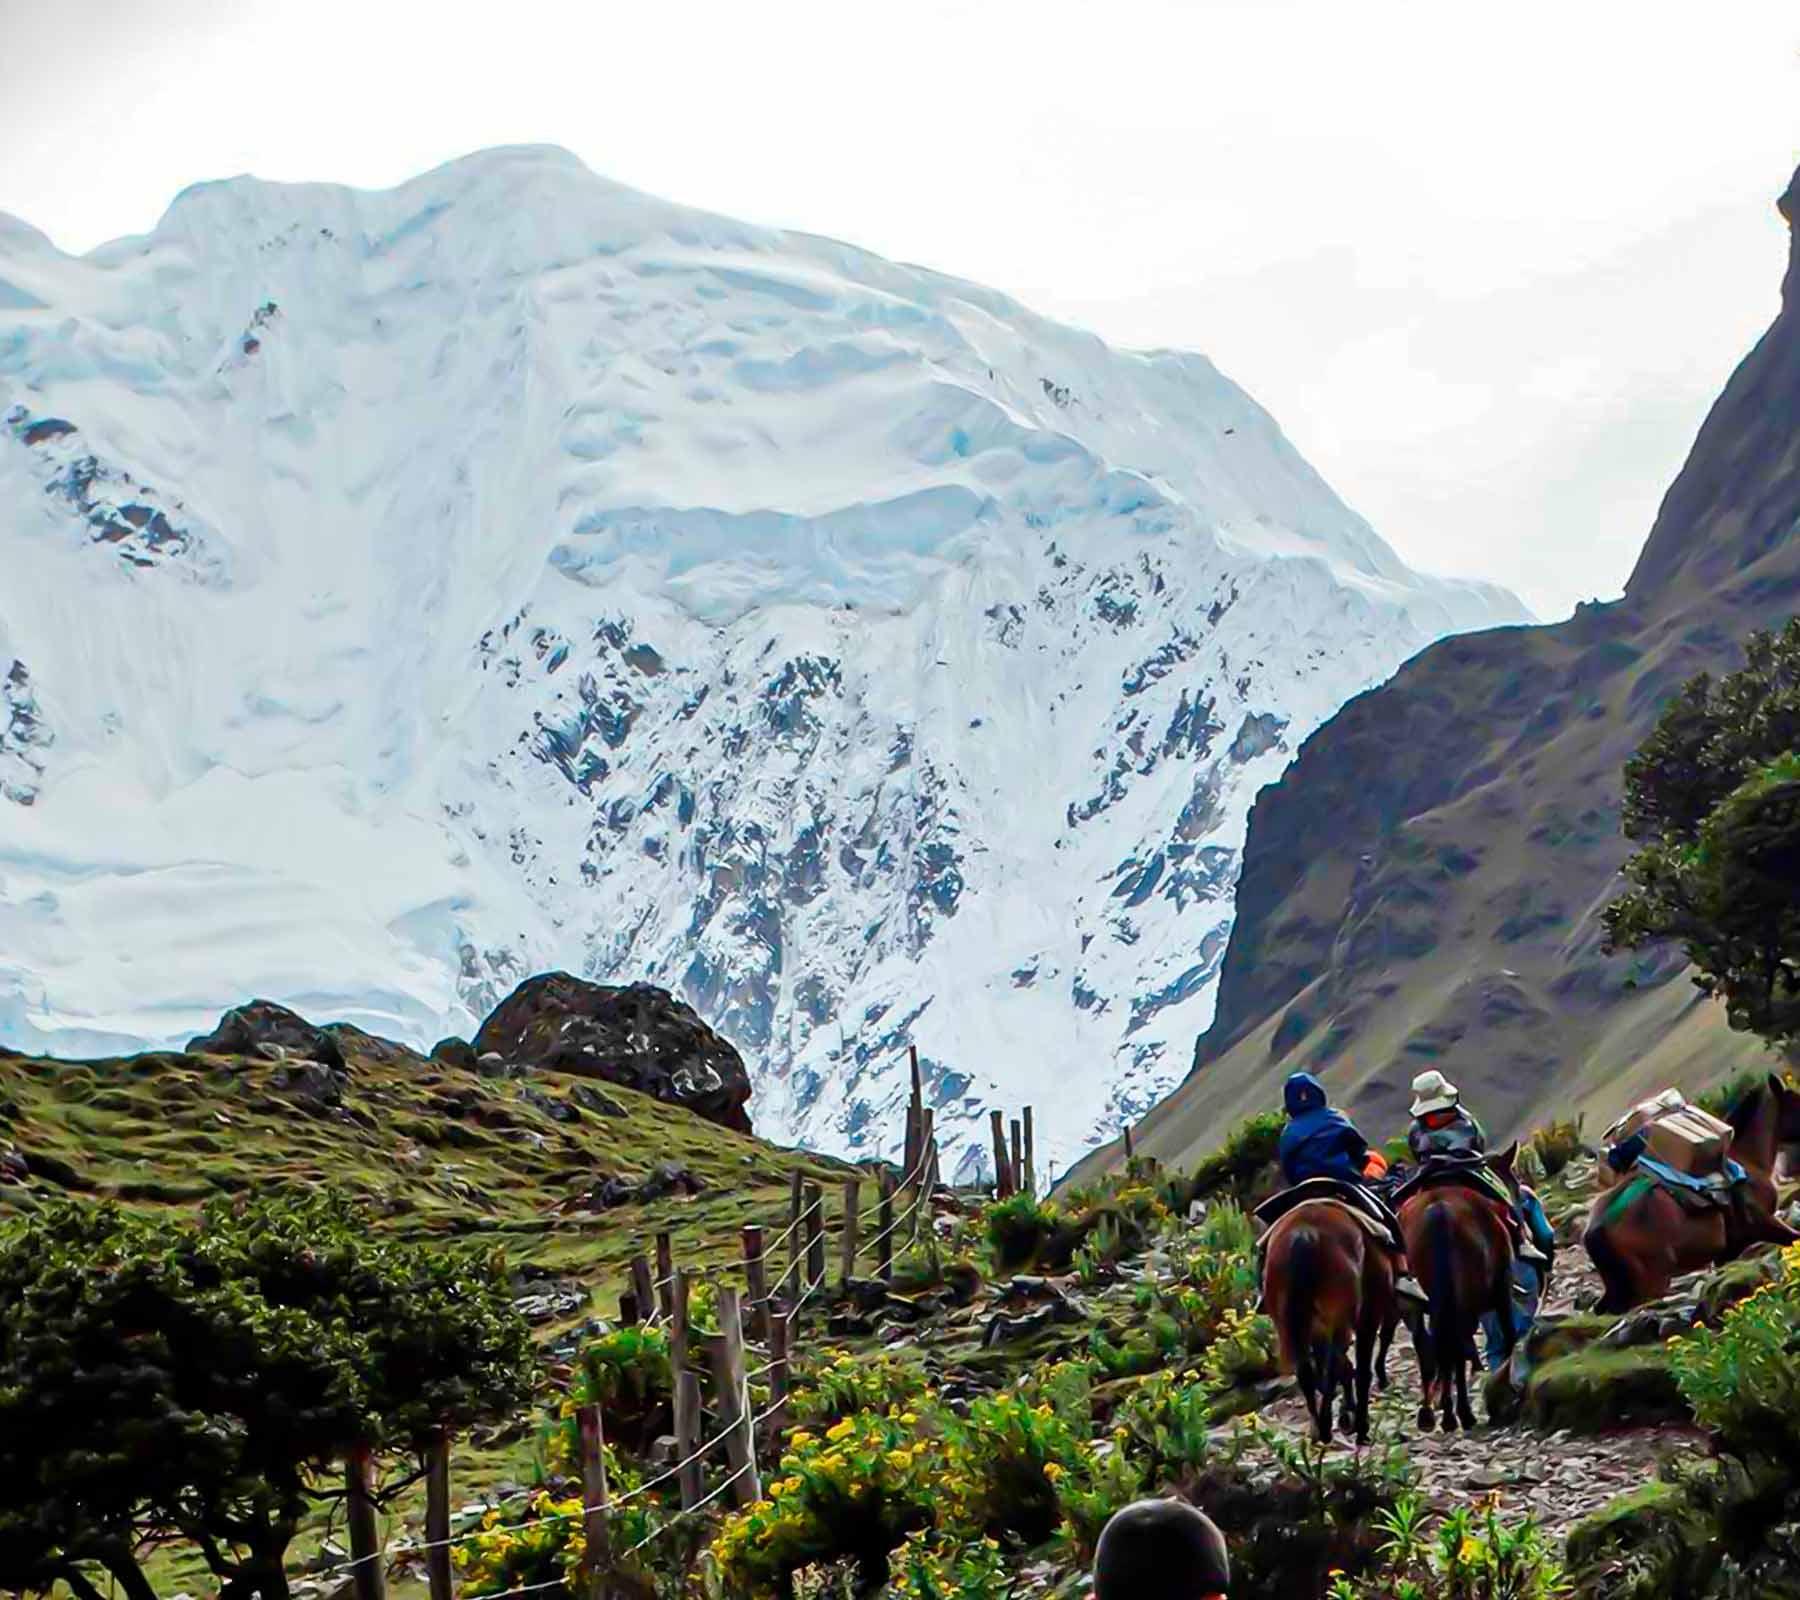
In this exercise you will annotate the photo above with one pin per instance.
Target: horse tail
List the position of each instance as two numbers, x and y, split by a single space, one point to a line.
1302 1264
1447 1333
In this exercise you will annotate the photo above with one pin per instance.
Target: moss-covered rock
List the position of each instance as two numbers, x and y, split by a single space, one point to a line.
1595 1389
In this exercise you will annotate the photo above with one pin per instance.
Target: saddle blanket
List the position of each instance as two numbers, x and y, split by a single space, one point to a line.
1369 1225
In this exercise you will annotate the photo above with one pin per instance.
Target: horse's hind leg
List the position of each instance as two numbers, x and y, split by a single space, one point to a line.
1464 1411
1424 1347
1365 1362
1382 1380
1349 1408
1325 1360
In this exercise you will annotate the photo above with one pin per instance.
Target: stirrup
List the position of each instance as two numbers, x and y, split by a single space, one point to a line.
1408 1287
1529 1252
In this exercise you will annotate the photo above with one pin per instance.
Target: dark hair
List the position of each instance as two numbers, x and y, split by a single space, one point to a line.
1160 1550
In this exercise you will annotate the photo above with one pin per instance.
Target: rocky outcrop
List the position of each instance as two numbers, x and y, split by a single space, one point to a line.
637 1036
1423 887
263 1028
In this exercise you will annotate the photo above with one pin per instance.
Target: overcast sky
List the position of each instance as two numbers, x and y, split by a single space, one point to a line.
1486 265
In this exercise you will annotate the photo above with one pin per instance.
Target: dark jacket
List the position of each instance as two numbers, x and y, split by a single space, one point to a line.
1446 1133
1318 1142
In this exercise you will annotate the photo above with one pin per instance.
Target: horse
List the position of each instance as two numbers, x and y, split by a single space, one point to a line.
1641 1238
1327 1285
1459 1242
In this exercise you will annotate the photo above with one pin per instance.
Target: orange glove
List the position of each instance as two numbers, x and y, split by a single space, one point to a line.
1376 1166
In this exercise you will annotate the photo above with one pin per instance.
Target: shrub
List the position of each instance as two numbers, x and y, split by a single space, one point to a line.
1471 1555
1557 1144
839 1384
1243 1353
1006 1459
1743 1378
626 1371
928 1567
1017 1229
547 1541
851 1495
1166 1424
1239 1167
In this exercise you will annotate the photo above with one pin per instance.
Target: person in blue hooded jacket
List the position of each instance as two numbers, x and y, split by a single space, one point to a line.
1321 1142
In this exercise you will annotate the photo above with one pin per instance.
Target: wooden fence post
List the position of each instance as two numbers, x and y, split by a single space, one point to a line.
756 1281
629 1316
1030 1157
597 1557
1128 1141
1002 1179
778 1375
852 1227
815 1238
1018 1156
640 1287
686 1389
665 1276
735 1419
796 1237
437 1519
884 1232
370 1575
928 1177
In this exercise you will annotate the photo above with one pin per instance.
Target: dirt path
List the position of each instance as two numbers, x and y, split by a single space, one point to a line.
1558 1477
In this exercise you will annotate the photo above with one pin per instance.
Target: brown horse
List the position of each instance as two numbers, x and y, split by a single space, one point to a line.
1328 1285
1459 1242
1641 1238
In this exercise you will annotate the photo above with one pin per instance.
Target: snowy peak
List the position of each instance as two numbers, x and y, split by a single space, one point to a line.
510 571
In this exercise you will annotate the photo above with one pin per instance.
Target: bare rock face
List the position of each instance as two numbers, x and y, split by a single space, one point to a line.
263 1028
638 1036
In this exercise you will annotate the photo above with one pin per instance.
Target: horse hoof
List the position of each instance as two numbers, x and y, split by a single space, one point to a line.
1427 1419
1468 1421
1449 1422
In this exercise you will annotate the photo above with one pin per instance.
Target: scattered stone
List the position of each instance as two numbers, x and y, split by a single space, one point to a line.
314 1086
550 1304
557 1110
600 1103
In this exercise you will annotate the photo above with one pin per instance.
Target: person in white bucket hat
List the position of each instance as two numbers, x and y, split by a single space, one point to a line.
1441 1127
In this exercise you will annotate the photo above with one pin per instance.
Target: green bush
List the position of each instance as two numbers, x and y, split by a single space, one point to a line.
1239 1168
839 1384
1743 1378
1470 1555
1006 1458
1017 1229
1557 1144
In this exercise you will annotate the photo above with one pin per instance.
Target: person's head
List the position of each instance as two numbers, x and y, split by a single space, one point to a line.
1432 1092
1161 1550
1302 1092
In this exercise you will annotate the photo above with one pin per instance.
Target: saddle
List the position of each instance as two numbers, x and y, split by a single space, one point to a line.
1714 1191
1454 1171
1334 1191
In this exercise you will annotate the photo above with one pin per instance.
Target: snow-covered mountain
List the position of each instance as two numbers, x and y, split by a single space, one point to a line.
403 592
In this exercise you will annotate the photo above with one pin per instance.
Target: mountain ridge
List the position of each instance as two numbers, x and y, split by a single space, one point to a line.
1474 811
507 572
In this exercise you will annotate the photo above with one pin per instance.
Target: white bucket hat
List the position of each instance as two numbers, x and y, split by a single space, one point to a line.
1432 1091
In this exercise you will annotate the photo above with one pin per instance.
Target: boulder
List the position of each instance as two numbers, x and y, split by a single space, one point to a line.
638 1036
454 1052
262 1028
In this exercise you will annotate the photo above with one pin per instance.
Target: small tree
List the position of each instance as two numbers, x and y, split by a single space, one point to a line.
1713 796
162 1378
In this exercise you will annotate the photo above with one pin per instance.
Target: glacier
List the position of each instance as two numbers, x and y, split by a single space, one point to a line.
403 592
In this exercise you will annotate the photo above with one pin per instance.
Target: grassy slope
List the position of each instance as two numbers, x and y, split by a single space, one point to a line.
168 1129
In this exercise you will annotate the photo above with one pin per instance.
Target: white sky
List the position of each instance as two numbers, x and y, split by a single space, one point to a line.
1486 264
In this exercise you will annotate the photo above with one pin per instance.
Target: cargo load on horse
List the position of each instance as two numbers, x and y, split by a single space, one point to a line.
1680 1146
1687 1190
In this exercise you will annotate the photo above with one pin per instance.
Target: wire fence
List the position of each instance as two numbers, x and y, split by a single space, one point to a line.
707 1447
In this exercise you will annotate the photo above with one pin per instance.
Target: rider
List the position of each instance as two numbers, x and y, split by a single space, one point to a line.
1321 1142
1443 1127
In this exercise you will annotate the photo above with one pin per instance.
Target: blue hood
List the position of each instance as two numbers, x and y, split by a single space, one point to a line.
1302 1093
